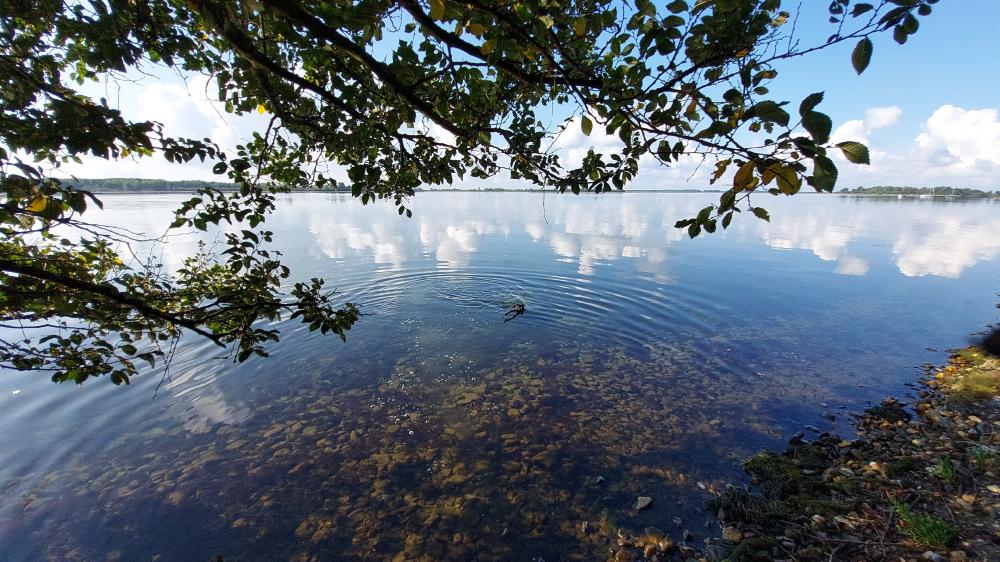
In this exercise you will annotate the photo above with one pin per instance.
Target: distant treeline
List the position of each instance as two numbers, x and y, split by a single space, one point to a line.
129 185
943 191
540 190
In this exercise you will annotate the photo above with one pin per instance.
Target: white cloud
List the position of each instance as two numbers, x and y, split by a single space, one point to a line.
958 148
853 130
851 265
882 117
953 244
875 118
573 144
185 109
970 136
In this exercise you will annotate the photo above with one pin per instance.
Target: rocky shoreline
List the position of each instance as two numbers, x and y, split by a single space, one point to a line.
921 481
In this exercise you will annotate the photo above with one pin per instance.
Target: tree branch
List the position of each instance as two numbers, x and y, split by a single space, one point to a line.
108 291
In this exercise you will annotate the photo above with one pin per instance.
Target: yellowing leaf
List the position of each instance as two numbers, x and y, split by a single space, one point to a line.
547 20
437 9
38 204
789 182
767 176
261 108
488 47
580 26
477 29
744 176
720 169
587 125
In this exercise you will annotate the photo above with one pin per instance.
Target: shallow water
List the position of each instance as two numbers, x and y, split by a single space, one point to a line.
440 431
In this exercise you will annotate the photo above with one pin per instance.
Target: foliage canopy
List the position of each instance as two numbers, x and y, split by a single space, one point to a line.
402 93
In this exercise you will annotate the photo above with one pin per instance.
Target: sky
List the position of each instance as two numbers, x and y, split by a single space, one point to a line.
929 110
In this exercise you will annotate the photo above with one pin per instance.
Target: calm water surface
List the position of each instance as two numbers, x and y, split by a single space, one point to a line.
646 364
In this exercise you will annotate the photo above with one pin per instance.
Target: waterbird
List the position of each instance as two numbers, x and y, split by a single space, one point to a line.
514 312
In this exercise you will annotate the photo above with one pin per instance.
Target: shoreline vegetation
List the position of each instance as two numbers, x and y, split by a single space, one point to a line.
157 186
942 192
921 481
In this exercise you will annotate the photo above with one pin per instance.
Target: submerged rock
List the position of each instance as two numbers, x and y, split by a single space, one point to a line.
642 502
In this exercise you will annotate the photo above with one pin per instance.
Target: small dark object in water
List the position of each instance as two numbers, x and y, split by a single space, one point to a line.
514 312
991 343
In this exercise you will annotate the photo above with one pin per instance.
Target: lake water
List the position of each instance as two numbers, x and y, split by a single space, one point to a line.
645 364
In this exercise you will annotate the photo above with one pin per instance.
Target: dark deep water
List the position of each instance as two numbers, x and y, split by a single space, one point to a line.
439 431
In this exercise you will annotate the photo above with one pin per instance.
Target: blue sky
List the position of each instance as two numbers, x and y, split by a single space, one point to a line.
930 109
951 60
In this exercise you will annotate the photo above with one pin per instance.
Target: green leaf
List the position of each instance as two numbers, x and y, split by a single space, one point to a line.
824 174
862 55
899 34
761 213
855 152
810 103
769 111
677 6
818 125
861 9
789 182
727 200
663 151
587 125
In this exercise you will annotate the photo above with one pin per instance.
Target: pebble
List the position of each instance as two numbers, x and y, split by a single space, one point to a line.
933 556
732 535
667 544
642 502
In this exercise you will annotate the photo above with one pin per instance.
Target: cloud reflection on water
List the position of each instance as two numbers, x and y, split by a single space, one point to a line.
939 239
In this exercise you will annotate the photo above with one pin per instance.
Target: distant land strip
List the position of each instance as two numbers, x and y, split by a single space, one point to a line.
927 192
139 185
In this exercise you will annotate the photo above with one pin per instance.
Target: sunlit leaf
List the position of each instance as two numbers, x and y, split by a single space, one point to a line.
855 152
38 204
437 9
744 176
